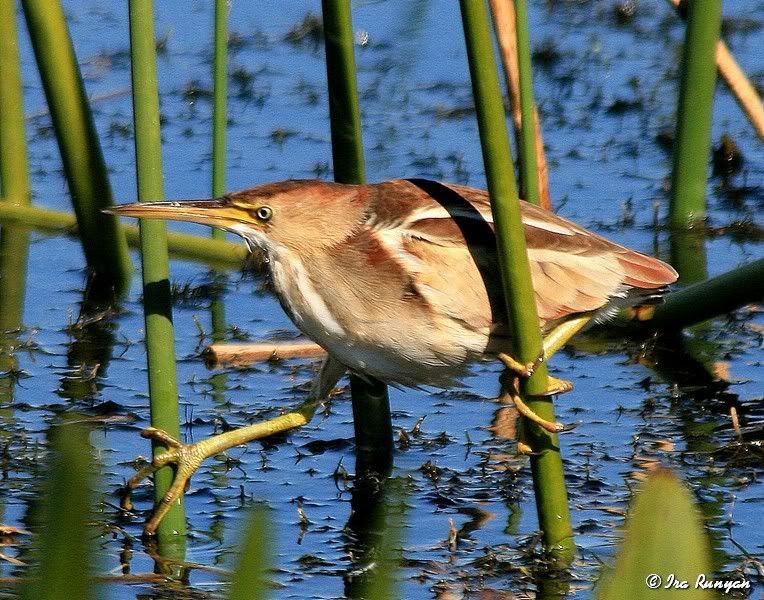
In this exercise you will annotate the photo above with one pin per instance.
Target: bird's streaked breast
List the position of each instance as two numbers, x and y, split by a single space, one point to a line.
300 299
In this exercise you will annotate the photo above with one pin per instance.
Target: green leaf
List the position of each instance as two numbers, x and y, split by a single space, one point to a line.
665 545
249 579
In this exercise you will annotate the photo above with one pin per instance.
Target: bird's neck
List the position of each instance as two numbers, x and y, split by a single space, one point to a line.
300 297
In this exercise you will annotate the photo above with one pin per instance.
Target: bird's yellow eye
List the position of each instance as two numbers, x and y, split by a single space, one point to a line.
264 213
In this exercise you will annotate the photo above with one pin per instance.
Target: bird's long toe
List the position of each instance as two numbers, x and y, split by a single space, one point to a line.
186 458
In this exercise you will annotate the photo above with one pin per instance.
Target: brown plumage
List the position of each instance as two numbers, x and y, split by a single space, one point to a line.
400 279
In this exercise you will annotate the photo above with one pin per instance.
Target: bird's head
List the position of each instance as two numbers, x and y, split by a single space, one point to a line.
298 215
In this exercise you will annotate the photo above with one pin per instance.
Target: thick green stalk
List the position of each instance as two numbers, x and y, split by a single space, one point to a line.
160 338
14 190
711 298
528 167
371 405
548 474
14 172
185 246
14 250
103 239
688 255
693 129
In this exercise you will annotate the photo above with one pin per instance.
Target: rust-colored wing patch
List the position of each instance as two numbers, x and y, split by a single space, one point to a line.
573 269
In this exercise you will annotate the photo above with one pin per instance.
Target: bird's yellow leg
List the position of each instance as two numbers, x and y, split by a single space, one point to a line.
561 334
553 341
188 457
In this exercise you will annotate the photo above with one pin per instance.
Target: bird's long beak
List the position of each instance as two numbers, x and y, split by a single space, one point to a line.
217 213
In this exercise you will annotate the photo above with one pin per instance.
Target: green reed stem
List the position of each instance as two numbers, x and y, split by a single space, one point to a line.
14 172
344 108
14 190
716 296
160 338
371 405
694 114
103 239
14 164
528 167
219 104
219 124
548 474
65 553
689 255
185 246
378 538
14 250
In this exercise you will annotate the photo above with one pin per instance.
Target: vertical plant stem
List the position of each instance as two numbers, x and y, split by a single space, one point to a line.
219 103
65 557
160 345
14 189
505 25
344 108
548 475
249 580
14 172
689 256
14 251
219 124
103 239
527 149
738 83
694 113
371 405
14 165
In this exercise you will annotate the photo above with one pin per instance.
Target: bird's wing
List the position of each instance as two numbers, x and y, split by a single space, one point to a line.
445 233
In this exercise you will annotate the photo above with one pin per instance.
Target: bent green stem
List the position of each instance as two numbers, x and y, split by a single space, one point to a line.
103 239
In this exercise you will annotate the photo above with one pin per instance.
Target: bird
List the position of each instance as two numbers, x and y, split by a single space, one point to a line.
400 281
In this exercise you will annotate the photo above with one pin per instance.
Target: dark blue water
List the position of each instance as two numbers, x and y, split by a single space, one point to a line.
605 89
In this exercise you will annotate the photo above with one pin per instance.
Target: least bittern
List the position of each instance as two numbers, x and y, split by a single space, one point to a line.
400 280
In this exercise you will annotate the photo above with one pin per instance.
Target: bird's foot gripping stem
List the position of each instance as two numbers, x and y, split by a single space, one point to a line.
511 390
186 458
554 339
